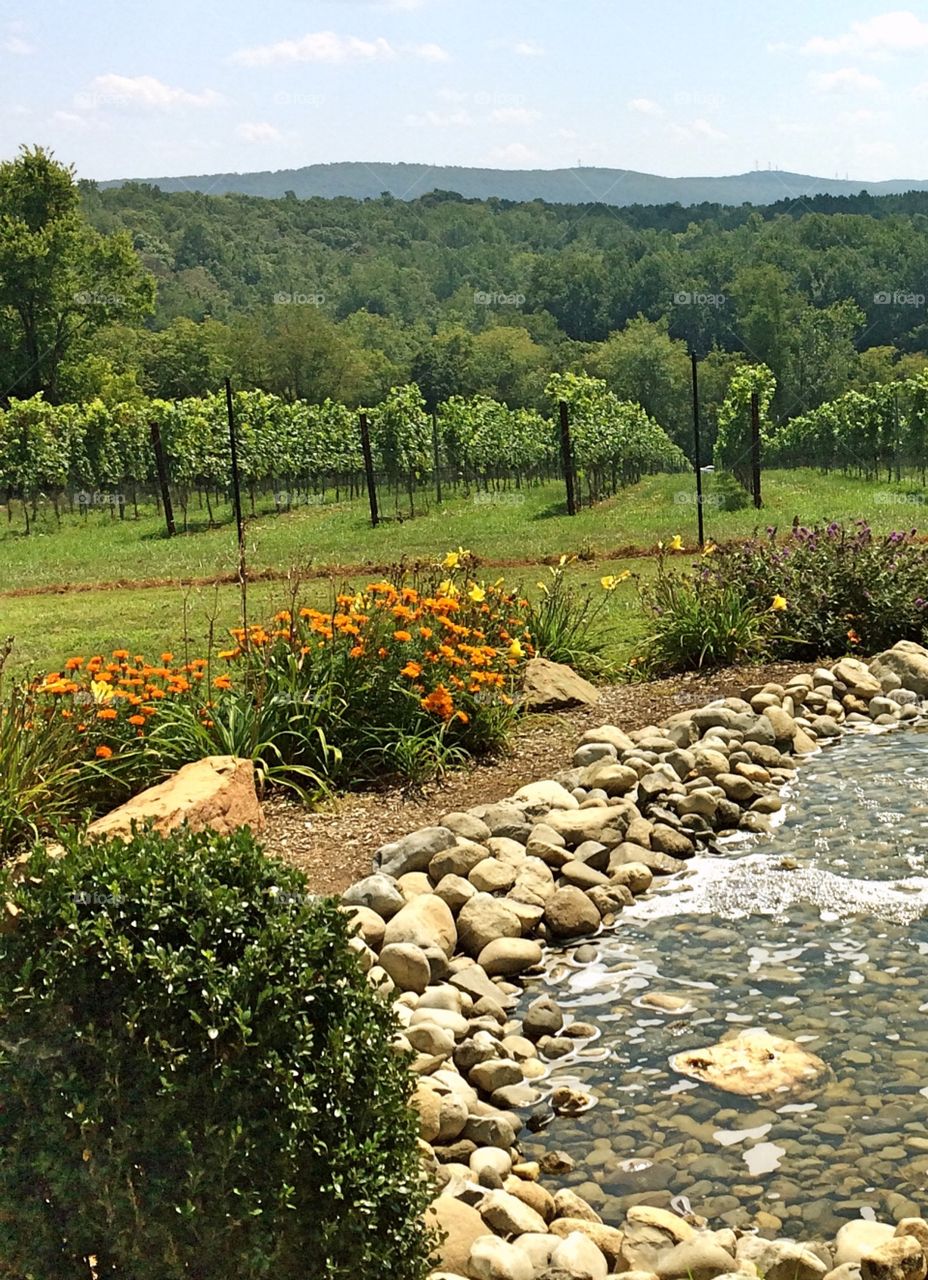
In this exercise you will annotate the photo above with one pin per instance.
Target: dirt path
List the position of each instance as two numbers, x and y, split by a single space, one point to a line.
333 845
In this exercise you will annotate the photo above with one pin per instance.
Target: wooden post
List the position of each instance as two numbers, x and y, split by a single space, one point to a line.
698 452
161 465
567 459
755 449
436 458
239 518
369 469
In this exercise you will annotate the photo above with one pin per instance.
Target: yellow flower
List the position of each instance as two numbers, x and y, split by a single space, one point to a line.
515 650
101 691
779 604
454 558
612 580
447 589
477 594
676 543
709 549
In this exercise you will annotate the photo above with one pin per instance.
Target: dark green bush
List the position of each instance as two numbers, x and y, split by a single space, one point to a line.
195 1076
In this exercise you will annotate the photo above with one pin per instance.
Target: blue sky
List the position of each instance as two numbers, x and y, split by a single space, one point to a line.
147 87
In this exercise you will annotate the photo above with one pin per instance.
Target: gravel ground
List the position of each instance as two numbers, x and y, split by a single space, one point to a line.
333 845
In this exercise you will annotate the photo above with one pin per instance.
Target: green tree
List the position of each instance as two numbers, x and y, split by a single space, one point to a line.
60 280
643 363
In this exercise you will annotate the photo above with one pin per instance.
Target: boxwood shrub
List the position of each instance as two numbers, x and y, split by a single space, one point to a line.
195 1077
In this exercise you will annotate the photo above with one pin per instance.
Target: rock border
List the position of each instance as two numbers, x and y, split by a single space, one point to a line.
451 914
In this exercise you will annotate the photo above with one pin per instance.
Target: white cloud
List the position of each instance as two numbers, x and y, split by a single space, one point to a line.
514 115
921 90
778 46
845 80
528 49
899 31
69 119
453 95
142 91
17 45
645 106
516 153
696 129
436 120
431 52
258 131
316 46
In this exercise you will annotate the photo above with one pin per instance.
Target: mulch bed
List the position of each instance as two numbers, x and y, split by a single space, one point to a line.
333 845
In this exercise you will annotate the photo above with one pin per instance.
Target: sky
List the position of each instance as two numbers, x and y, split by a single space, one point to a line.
145 88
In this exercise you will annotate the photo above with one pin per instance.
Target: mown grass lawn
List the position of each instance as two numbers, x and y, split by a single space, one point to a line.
520 529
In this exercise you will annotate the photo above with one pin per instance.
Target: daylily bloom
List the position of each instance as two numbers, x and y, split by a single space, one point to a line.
779 604
477 594
709 548
612 580
676 543
515 650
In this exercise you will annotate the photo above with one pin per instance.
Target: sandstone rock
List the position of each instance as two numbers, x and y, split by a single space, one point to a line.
553 685
609 733
430 1039
458 859
455 891
533 1194
426 921
463 1225
494 1259
778 1259
649 1234
584 824
570 914
858 677
467 826
636 877
614 779
534 883
754 1062
916 1227
216 793
413 884
484 919
858 1237
506 957
414 852
568 1204
674 843
378 892
495 1073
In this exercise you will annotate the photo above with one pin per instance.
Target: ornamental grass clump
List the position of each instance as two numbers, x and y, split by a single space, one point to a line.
815 593
196 1077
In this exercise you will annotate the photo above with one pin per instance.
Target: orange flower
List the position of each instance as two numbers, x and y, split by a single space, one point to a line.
167 657
222 682
104 753
401 636
425 633
853 636
121 654
73 664
357 651
412 670
228 654
136 720
108 713
440 702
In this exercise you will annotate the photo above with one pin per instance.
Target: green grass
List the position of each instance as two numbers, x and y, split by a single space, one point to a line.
49 627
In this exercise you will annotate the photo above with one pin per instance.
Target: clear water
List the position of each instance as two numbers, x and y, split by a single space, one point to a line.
832 953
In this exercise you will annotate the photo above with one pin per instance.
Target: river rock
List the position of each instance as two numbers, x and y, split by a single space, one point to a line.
426 921
545 795
467 826
378 892
698 1258
490 875
908 661
754 1062
414 852
407 965
462 1226
858 1237
614 779
484 919
455 891
569 913
778 1259
579 1258
509 1216
901 1258
494 1259
458 859
506 957
366 924
861 681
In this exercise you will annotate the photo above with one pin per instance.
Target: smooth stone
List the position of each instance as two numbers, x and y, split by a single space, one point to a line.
508 1215
579 1258
378 892
495 1259
506 957
569 913
695 1259
856 1238
462 1225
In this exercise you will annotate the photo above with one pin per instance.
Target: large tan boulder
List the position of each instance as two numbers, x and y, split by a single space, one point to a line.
217 792
552 686
754 1062
461 1225
907 661
425 922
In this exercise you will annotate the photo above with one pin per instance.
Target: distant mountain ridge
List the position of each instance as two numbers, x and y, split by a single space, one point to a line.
555 186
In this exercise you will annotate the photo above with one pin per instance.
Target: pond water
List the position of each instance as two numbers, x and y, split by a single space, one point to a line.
817 933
